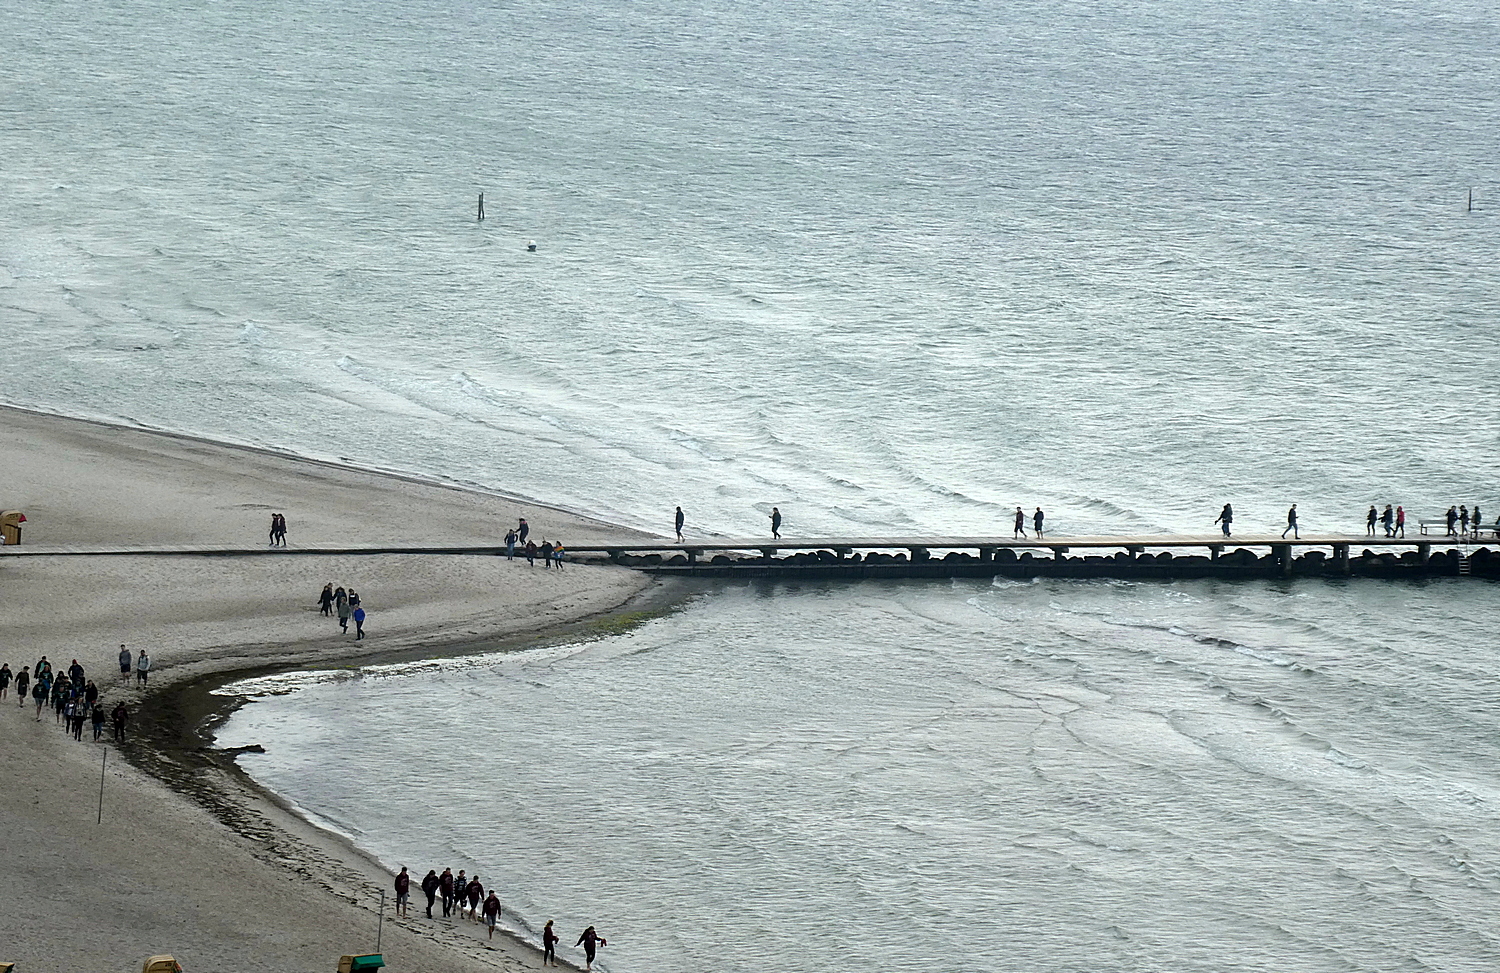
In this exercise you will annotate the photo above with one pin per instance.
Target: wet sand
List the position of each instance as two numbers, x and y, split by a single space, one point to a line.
190 859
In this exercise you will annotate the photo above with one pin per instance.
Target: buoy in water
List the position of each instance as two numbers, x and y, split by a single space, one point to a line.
531 247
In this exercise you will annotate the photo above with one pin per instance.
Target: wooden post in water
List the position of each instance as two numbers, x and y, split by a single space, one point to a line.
481 207
1471 199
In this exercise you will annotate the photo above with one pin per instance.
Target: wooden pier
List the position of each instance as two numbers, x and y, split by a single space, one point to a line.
1139 555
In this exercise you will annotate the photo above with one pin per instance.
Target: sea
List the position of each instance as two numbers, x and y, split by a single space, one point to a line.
894 269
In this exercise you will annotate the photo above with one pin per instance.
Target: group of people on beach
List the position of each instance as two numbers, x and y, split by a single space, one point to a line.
345 605
551 553
278 530
464 896
73 697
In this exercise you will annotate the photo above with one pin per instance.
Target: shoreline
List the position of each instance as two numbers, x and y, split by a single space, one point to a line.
181 755
189 856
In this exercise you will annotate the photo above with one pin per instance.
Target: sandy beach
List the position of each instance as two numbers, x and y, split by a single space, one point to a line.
209 869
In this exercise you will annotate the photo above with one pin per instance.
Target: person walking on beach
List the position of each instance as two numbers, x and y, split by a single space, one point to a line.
272 533
1036 522
142 668
558 553
359 624
1291 523
775 533
1401 520
325 600
281 530
340 596
510 543
460 892
1388 521
403 892
522 529
491 912
344 612
119 716
39 693
124 664
546 553
1226 517
1020 528
23 682
476 893
430 885
96 714
590 941
445 884
549 945
531 554
5 677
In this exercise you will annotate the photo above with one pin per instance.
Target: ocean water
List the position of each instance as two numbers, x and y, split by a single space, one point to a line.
1028 776
891 268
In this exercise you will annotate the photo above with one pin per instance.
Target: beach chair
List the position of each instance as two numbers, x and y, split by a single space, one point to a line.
161 964
368 963
7 967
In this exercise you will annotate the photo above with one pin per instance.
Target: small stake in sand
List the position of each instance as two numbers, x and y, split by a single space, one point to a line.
102 761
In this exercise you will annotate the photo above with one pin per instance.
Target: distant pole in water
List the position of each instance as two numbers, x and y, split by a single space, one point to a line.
531 247
481 206
1471 199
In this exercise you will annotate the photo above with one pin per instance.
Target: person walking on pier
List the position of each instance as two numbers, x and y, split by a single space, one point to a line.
1226 517
1452 519
1291 523
775 533
1401 520
1478 524
1388 521
1370 519
1036 522
1020 530
678 521
1463 520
